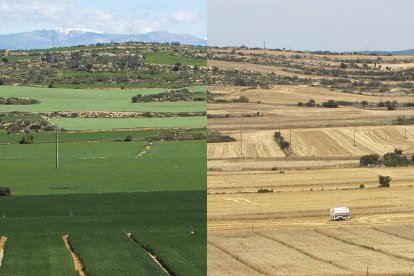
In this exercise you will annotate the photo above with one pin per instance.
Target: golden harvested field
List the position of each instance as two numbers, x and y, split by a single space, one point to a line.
292 94
286 230
291 225
255 144
337 142
307 55
291 116
303 180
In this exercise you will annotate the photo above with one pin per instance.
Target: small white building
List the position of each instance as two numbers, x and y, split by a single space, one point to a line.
339 213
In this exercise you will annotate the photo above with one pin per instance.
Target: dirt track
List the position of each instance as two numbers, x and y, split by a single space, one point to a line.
3 240
79 267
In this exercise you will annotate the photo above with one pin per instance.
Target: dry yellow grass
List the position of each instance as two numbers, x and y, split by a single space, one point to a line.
287 231
304 180
353 258
256 144
268 257
292 94
338 142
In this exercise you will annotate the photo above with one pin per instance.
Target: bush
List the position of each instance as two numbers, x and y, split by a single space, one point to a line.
264 190
371 159
27 139
217 137
5 191
310 103
330 104
395 159
129 138
283 144
361 186
384 181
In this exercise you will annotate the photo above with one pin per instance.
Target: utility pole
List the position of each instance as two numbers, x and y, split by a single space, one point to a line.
241 142
405 128
53 39
57 149
354 134
290 138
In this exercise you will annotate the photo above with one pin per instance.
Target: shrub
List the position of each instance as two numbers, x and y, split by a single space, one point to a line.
330 104
361 186
395 159
264 190
5 191
371 159
129 138
27 139
283 144
310 103
217 137
384 181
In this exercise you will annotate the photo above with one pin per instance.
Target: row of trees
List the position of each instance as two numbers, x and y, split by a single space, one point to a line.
390 159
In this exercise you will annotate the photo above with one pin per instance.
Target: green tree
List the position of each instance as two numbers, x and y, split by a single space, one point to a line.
384 181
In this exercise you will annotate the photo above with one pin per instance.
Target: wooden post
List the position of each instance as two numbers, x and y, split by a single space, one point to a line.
354 134
405 128
241 142
57 149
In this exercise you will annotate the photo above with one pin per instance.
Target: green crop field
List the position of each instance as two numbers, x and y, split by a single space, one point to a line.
106 124
89 167
60 99
97 225
78 136
169 58
104 187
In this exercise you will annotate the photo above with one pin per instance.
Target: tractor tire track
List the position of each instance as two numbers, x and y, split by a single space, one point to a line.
152 255
303 252
240 260
79 267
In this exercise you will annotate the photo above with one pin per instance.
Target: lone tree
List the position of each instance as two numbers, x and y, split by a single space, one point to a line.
384 181
5 191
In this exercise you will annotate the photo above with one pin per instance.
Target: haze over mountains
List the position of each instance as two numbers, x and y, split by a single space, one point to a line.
71 37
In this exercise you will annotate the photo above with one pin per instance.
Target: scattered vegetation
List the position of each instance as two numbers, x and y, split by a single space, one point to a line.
177 135
18 101
217 137
168 96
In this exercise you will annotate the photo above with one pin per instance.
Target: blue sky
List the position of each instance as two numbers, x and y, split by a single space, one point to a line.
335 25
120 16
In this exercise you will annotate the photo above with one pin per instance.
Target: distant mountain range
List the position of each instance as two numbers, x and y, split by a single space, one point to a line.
41 39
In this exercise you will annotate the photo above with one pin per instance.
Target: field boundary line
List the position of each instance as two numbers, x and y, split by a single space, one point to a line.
79 267
392 234
237 258
152 255
3 240
301 251
368 247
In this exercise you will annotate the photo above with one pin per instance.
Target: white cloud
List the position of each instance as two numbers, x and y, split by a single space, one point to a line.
139 16
186 15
